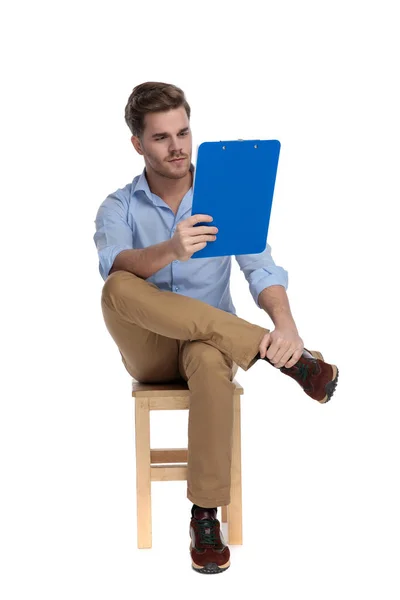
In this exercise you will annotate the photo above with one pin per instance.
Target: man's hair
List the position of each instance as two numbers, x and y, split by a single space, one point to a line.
150 97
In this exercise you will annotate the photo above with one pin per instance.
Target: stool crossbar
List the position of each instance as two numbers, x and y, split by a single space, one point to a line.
170 464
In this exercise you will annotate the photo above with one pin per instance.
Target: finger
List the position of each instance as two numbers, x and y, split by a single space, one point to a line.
203 238
277 360
272 350
280 353
294 359
198 219
198 247
264 344
284 358
202 230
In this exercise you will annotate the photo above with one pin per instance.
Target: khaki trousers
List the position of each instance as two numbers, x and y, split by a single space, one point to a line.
163 337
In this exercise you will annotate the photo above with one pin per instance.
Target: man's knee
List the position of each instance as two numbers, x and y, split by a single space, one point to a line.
116 283
203 355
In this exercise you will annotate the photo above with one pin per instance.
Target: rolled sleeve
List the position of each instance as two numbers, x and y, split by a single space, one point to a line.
113 232
261 272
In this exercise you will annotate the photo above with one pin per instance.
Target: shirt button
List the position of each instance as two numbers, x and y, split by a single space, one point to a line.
176 289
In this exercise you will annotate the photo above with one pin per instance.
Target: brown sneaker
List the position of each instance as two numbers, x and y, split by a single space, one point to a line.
208 550
317 378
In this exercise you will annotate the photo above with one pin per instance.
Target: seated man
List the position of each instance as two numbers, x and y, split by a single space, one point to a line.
173 318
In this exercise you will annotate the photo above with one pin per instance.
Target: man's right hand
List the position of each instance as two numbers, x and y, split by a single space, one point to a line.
188 239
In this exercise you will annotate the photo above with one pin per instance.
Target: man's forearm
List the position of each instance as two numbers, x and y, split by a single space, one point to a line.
275 302
144 262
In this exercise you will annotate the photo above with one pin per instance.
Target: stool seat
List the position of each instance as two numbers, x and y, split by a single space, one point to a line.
170 464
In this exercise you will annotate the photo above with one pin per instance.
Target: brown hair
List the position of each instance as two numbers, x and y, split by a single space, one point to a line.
152 96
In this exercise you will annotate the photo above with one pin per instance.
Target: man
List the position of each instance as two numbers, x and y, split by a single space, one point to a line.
173 318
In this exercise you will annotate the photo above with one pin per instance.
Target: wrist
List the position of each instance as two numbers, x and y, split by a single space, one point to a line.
171 250
284 319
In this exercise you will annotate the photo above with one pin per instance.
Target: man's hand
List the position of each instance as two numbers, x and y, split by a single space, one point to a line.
189 239
283 347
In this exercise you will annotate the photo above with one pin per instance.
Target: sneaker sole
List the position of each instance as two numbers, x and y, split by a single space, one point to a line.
331 386
210 568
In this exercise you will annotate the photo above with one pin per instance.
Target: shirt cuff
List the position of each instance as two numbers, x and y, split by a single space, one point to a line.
107 257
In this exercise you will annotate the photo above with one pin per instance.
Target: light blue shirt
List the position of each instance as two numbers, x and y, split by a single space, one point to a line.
134 217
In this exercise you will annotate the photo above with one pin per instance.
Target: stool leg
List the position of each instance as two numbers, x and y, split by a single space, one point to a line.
224 514
235 507
143 480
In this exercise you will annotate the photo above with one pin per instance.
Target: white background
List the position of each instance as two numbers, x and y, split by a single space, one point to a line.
320 482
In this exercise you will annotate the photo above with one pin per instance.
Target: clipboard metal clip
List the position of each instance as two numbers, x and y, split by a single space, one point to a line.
239 140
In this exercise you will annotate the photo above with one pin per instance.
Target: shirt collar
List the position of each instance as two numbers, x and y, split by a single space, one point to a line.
143 186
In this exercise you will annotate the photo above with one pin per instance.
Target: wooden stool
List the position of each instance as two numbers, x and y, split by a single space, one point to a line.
160 464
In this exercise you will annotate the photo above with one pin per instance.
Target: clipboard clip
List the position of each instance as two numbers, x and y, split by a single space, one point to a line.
239 140
224 147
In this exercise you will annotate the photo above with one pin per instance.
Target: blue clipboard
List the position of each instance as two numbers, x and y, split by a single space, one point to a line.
234 183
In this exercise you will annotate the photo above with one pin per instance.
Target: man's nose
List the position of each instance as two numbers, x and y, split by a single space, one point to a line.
175 145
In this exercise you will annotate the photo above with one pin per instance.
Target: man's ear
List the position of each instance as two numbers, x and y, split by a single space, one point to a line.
137 144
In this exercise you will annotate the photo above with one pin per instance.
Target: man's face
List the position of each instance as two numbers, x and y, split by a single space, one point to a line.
166 136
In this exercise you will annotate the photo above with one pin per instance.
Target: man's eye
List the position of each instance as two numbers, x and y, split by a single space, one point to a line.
163 137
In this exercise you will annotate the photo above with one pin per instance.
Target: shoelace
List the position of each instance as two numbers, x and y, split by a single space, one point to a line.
207 532
303 371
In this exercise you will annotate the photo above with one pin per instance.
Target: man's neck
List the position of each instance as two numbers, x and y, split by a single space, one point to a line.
170 190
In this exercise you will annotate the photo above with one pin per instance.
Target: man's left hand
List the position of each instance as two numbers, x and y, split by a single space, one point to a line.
283 347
